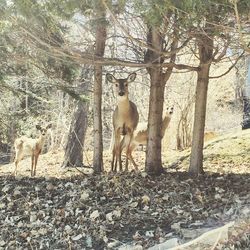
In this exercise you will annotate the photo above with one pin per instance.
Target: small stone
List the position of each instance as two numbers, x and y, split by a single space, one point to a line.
176 226
16 192
33 217
145 199
2 205
6 188
94 215
68 229
129 247
78 237
2 243
117 214
109 216
50 187
84 196
150 234
134 204
112 244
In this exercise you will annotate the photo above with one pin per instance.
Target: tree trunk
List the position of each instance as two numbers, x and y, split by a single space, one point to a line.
153 154
101 35
158 80
205 45
246 97
73 156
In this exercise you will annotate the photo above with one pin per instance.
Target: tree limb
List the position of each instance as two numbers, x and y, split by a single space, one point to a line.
230 68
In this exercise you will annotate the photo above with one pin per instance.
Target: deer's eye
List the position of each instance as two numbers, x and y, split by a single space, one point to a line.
116 85
126 85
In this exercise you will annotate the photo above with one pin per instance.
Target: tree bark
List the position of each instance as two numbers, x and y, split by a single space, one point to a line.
153 153
158 80
101 35
73 156
205 46
246 96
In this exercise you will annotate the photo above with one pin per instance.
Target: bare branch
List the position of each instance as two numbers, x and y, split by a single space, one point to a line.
230 68
80 57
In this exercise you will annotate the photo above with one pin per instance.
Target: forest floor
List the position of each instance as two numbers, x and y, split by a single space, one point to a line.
74 209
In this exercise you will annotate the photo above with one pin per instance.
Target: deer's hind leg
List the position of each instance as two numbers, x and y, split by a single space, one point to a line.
32 164
114 160
130 157
126 144
18 158
36 159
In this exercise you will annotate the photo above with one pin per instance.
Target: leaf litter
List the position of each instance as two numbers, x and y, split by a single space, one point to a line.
130 210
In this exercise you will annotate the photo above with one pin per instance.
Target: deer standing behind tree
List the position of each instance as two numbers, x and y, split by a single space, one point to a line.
125 120
141 134
25 146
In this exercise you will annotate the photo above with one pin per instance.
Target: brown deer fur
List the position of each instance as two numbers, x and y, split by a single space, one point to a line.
125 120
141 134
25 146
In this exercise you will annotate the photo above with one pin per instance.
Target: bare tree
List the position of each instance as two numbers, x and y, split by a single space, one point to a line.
205 47
100 36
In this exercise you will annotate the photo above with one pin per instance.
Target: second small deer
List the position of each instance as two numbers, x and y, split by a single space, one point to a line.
141 134
125 119
25 146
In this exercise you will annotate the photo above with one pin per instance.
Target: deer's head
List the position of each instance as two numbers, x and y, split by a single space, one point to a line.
121 84
170 110
43 130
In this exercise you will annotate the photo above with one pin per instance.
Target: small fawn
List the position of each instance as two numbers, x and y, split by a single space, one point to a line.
25 146
125 119
141 134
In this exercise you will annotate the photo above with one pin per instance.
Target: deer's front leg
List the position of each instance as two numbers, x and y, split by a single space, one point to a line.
116 151
32 164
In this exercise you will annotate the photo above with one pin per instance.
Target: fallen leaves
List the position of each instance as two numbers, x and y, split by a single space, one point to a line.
94 215
122 211
128 210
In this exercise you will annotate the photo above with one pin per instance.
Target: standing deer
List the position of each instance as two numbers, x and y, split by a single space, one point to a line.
25 146
141 134
125 119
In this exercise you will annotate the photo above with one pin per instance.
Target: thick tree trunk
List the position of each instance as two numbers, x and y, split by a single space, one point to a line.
153 154
73 156
101 35
205 45
158 80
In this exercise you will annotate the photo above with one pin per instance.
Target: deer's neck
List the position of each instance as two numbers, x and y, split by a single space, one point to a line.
123 104
165 123
41 141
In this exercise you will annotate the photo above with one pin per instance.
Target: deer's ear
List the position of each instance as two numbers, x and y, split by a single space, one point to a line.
38 127
110 78
131 77
49 126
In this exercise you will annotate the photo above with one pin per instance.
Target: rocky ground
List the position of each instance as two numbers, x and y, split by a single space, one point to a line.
69 209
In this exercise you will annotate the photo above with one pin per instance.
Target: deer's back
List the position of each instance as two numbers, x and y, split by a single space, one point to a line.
25 144
141 133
